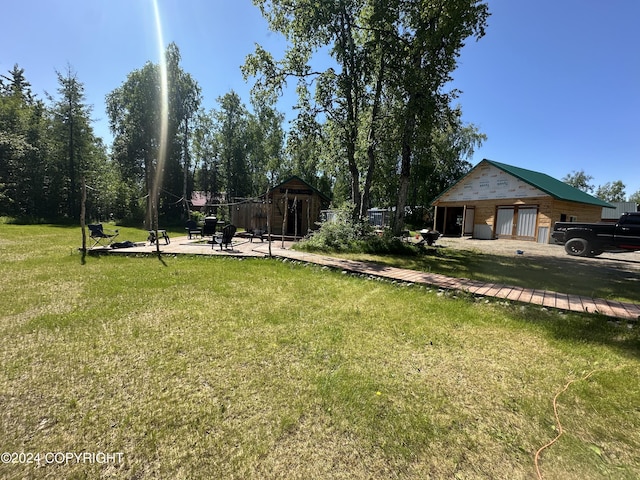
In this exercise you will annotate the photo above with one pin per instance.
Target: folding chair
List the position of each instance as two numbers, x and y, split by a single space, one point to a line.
100 236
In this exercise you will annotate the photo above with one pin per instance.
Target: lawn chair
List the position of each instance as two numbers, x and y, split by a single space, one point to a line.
227 236
101 237
192 229
209 227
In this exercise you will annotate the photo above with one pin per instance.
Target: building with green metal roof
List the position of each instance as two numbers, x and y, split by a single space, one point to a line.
496 200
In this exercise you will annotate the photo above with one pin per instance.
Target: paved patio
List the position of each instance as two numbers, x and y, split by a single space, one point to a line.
243 247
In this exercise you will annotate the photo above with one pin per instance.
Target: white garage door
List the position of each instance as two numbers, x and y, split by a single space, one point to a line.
527 217
504 222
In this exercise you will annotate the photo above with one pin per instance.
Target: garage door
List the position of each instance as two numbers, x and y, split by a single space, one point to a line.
517 222
504 222
527 218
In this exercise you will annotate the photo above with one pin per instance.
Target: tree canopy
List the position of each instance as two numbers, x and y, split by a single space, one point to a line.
385 98
609 191
579 180
377 125
45 150
135 113
376 128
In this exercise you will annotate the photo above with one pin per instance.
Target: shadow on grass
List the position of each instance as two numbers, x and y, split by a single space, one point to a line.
582 329
577 276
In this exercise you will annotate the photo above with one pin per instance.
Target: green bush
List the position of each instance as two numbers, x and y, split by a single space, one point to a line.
197 216
385 244
344 234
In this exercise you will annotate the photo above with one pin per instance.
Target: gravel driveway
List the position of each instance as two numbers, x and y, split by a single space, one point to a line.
629 261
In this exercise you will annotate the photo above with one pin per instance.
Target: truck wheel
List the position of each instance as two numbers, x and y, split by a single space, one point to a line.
577 247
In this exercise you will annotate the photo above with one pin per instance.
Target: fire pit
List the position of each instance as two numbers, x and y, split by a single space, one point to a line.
429 236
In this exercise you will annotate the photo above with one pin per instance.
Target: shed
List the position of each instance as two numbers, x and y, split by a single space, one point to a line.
496 200
206 203
611 215
294 207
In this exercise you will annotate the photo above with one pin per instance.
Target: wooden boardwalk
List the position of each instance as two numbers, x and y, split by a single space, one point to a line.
244 248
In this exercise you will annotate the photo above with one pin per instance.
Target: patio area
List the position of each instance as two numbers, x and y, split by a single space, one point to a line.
240 247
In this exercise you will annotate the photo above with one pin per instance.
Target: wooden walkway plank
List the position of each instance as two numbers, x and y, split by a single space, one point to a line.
473 287
618 309
576 303
526 295
549 299
633 310
499 291
603 307
515 294
484 289
562 301
589 305
538 297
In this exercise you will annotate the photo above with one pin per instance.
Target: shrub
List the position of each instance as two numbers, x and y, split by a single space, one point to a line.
344 234
197 216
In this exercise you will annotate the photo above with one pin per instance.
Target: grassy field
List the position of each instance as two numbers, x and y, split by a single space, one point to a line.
237 369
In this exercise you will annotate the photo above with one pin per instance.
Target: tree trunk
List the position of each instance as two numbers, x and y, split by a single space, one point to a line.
187 166
71 205
83 202
352 138
345 40
405 168
149 175
371 141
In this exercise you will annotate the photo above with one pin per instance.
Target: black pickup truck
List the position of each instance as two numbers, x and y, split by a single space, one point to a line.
591 239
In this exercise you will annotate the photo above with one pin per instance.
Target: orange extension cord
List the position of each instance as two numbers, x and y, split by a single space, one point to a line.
555 412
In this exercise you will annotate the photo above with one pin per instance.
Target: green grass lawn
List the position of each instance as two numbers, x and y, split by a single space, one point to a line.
224 368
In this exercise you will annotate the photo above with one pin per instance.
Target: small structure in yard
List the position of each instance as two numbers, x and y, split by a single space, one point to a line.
205 203
291 208
611 215
380 217
496 200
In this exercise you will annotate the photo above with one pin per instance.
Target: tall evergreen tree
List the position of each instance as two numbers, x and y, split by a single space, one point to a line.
73 144
23 148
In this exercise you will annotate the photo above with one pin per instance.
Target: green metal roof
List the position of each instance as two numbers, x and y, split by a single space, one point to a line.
547 184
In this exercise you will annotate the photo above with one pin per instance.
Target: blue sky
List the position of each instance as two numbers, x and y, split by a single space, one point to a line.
554 83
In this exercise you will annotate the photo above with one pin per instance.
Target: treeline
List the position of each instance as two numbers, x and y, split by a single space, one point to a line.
609 192
377 128
46 148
